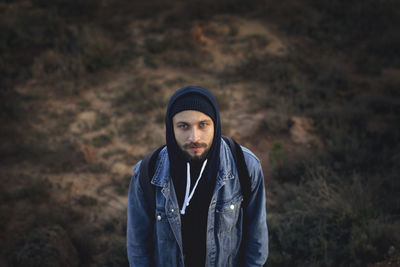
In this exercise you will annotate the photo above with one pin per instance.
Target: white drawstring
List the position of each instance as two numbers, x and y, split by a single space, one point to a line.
187 196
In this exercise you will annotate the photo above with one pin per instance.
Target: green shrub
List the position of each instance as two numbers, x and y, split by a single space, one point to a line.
139 96
331 77
203 10
121 185
346 25
102 120
78 51
328 220
35 189
86 200
131 128
60 39
68 8
285 167
155 46
47 246
85 244
282 74
150 61
58 66
275 124
349 145
102 140
187 59
116 256
110 226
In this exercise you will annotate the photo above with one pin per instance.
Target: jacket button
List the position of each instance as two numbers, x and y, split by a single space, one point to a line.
232 207
172 210
159 217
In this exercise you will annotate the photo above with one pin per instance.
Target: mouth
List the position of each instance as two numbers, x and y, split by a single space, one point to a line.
195 151
195 147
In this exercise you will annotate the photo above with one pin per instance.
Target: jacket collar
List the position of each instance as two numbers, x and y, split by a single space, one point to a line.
227 165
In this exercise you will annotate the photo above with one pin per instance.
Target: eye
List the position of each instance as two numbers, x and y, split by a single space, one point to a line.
183 126
203 124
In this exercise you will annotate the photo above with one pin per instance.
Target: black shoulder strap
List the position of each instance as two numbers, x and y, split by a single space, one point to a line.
244 177
147 168
245 184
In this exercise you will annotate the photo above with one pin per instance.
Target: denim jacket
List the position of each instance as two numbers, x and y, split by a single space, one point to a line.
154 236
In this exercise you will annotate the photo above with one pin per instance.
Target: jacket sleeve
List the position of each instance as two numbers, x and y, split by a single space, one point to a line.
139 236
256 237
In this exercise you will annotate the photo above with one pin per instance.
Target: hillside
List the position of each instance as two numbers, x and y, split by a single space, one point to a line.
307 86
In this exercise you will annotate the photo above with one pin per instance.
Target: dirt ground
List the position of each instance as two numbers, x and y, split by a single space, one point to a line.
77 151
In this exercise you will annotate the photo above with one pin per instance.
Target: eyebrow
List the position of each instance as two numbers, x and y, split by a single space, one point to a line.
205 120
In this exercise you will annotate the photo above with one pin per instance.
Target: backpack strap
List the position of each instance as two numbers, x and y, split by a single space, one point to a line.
245 185
147 169
244 177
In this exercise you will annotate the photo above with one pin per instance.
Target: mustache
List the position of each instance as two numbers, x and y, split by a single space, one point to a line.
194 144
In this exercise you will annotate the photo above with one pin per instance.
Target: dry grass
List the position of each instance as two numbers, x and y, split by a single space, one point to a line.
332 205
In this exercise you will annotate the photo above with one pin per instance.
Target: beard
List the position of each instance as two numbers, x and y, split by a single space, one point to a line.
195 158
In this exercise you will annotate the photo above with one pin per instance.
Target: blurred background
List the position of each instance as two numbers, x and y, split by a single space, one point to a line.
312 87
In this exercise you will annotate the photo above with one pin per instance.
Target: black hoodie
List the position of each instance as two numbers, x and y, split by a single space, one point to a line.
194 222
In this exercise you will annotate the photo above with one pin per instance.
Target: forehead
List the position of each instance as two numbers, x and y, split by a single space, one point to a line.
190 116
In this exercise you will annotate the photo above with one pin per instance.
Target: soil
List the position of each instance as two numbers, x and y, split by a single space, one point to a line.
78 150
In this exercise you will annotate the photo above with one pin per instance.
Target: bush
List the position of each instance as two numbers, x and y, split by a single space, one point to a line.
116 256
275 124
49 246
68 8
346 25
286 167
131 128
63 39
102 120
349 145
85 244
35 189
187 59
155 46
86 200
121 185
102 140
328 221
139 96
57 66
78 51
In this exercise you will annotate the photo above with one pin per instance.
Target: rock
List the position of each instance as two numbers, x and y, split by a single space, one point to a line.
85 122
121 168
89 153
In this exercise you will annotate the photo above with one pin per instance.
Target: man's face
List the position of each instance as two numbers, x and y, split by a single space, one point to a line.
194 133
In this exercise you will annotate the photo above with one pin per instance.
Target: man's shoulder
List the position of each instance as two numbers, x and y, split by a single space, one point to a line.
250 158
252 161
249 155
160 151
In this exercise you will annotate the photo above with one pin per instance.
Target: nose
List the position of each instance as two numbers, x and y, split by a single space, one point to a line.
194 135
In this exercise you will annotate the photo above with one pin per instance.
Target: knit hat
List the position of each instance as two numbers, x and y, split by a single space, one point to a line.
193 101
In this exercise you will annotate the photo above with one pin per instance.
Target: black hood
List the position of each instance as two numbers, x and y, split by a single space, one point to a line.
194 222
173 149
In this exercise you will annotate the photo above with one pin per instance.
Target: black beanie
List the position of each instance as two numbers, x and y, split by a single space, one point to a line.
193 102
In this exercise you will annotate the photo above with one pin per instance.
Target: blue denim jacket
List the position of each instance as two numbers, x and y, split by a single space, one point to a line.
225 218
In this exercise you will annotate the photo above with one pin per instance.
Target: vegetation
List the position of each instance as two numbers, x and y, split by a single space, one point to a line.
333 204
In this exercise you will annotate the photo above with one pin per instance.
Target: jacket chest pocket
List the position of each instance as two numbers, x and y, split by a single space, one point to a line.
227 214
162 226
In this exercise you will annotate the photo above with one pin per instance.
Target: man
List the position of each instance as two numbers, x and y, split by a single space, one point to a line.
198 218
